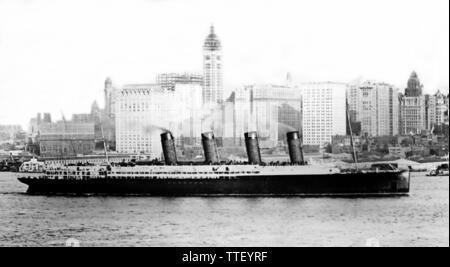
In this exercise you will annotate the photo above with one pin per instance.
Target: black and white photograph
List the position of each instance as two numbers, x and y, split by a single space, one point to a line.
202 124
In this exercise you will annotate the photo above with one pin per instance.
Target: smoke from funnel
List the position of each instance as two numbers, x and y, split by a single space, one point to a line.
154 129
211 117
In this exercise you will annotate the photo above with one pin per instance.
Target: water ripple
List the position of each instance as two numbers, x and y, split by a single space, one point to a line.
419 220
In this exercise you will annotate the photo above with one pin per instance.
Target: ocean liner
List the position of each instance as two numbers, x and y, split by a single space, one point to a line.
213 178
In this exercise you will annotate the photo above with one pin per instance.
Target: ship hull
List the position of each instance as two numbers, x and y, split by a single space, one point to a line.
349 184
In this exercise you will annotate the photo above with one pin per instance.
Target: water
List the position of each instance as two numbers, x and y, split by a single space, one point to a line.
422 219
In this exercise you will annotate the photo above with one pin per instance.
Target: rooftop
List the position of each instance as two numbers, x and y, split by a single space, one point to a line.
212 42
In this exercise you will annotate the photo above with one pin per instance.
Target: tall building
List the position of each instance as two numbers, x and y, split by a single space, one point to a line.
144 111
264 112
413 119
110 98
168 80
243 119
277 109
289 118
141 111
437 110
105 127
446 115
271 110
323 112
187 113
414 87
212 70
375 106
230 137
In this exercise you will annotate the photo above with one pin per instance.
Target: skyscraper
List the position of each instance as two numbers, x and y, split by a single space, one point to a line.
142 112
110 98
437 108
146 110
271 110
414 86
212 70
324 112
413 107
375 105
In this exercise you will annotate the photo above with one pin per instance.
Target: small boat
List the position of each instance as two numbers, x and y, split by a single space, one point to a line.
10 165
441 170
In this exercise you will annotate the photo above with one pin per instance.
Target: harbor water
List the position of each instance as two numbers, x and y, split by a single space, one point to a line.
421 219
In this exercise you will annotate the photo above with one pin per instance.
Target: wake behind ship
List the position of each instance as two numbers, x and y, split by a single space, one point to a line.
253 178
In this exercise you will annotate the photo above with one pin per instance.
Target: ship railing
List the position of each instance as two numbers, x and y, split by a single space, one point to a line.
138 174
72 175
83 175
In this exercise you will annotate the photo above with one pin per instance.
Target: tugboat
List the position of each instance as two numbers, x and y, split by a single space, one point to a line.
10 165
215 178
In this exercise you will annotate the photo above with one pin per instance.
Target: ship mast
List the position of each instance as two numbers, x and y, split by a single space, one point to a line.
355 160
69 137
103 136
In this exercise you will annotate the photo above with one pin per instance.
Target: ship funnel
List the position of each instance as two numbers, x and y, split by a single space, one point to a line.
295 147
168 146
210 148
252 145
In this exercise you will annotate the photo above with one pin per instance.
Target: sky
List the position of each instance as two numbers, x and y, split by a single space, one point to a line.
56 54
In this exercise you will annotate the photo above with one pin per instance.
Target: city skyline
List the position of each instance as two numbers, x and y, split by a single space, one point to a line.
49 67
